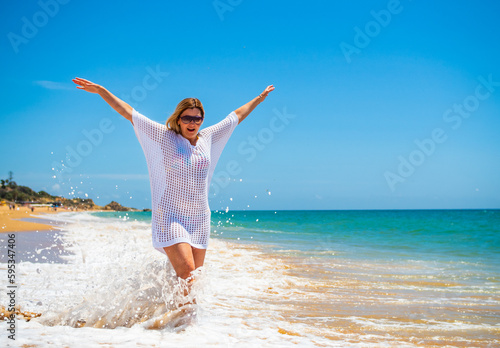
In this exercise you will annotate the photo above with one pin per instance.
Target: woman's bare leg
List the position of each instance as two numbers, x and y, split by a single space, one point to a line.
185 259
199 257
182 259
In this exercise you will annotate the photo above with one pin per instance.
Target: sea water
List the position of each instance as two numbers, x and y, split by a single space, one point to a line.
422 278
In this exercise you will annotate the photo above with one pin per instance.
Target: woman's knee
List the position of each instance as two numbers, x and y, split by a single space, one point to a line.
181 258
185 272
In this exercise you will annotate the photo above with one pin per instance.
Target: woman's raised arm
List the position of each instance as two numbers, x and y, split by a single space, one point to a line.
116 103
243 111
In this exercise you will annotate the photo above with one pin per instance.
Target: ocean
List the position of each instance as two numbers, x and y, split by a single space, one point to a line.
368 278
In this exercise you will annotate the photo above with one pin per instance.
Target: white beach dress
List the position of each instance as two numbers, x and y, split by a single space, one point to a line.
179 175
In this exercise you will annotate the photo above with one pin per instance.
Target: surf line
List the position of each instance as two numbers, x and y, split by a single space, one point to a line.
427 147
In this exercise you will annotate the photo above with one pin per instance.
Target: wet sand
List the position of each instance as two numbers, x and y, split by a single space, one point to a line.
38 240
375 304
42 246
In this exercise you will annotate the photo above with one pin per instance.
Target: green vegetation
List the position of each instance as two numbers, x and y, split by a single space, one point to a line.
13 193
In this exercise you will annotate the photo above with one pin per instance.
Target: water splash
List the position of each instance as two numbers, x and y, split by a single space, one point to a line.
152 296
119 281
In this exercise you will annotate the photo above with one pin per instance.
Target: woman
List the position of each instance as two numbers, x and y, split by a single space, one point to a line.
181 160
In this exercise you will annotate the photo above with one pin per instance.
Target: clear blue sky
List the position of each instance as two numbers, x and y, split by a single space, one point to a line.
383 104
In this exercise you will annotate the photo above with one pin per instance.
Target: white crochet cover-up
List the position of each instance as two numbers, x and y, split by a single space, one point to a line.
179 175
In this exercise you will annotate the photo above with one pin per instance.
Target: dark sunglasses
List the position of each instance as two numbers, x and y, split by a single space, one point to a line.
188 119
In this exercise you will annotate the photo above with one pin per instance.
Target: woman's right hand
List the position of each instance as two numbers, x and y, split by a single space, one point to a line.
86 85
116 103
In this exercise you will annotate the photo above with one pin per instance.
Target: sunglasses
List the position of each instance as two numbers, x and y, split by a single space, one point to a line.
189 119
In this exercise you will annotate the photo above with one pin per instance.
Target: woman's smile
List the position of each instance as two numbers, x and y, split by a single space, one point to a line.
190 130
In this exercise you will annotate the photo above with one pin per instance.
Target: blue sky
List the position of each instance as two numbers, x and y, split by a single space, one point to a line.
378 104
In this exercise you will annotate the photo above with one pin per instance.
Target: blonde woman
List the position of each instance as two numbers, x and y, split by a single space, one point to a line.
181 160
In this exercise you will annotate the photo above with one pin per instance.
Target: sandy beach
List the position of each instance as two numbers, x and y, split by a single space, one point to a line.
10 220
16 220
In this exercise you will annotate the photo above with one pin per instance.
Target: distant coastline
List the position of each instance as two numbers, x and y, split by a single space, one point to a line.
21 207
13 195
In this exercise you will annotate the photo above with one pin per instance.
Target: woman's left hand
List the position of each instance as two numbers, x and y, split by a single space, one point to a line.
268 89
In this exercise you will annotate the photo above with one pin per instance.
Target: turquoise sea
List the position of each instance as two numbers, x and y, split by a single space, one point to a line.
470 236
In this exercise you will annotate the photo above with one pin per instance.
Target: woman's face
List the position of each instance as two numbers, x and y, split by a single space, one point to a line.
190 130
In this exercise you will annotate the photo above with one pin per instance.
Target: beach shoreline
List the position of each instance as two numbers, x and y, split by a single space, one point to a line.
23 219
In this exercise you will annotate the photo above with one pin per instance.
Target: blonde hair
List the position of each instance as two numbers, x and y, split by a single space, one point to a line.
188 103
